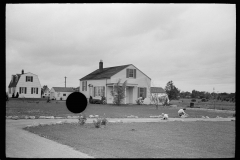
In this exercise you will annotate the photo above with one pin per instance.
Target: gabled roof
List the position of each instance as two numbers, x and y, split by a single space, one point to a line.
157 90
13 82
63 89
106 73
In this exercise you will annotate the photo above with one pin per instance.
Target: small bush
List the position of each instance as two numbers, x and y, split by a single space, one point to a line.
193 100
82 119
13 95
104 121
97 123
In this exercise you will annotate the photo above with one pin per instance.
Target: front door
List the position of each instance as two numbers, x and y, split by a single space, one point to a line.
129 95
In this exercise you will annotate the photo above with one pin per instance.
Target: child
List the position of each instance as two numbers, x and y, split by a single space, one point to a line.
165 117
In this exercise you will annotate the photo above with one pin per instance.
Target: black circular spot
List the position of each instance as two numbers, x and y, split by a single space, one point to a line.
76 102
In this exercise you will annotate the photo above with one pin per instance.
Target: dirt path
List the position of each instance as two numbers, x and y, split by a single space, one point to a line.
23 144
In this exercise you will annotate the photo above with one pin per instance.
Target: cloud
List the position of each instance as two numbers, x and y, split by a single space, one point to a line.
179 42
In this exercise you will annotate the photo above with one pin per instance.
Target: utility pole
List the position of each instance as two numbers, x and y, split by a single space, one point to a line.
65 81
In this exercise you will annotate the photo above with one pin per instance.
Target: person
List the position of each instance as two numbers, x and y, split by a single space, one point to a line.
181 113
165 116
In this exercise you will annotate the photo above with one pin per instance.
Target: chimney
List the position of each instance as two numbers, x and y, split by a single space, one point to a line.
100 65
22 71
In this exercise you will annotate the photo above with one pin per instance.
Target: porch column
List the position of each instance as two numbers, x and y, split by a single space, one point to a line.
125 94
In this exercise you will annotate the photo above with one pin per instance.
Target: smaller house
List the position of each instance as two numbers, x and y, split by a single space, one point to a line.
60 93
46 91
27 85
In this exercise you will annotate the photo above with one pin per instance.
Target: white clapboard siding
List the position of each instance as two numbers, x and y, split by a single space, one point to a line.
59 95
35 83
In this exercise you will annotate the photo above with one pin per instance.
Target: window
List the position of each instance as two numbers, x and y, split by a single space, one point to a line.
64 94
142 92
34 90
99 91
29 78
84 85
23 90
131 73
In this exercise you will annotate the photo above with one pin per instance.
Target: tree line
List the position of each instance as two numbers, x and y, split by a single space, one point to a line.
174 93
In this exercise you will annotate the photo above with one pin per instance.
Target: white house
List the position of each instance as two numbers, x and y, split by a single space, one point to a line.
60 93
26 85
101 81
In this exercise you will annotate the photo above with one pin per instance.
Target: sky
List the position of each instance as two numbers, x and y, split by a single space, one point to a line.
193 45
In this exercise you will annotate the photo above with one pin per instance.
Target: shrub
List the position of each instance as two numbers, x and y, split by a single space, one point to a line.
193 100
104 121
7 97
139 101
97 123
17 95
13 95
82 119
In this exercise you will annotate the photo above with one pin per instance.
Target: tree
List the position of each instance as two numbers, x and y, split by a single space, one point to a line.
172 91
118 92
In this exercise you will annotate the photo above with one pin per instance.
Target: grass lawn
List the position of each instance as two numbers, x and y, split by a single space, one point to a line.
211 104
36 108
147 140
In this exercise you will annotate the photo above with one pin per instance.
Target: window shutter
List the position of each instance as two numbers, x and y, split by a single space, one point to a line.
82 85
31 90
104 91
145 92
26 78
94 90
37 90
138 92
25 90
31 79
86 85
127 73
134 74
20 90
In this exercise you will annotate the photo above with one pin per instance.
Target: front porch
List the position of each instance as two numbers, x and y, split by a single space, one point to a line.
130 91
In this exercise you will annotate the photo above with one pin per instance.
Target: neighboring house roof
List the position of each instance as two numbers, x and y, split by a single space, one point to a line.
76 89
106 73
63 89
157 90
